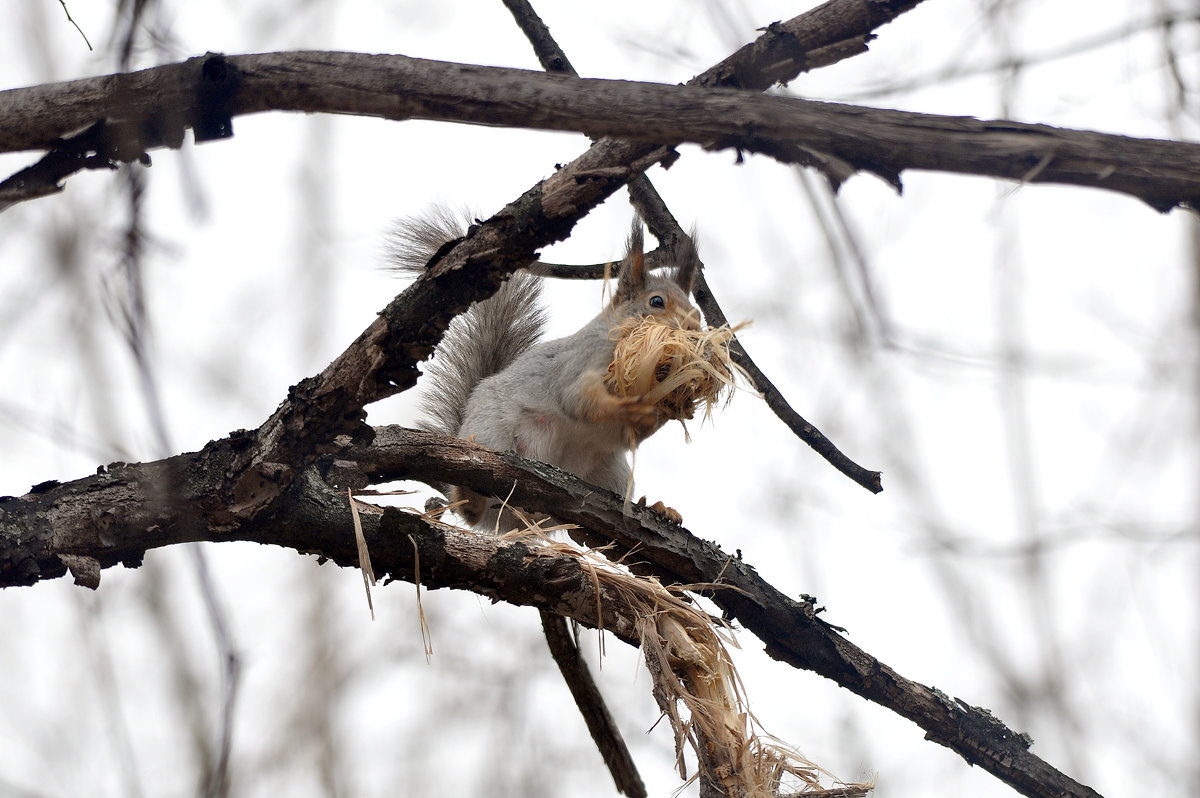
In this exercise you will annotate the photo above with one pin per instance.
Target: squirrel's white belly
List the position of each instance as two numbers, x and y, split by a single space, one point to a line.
595 452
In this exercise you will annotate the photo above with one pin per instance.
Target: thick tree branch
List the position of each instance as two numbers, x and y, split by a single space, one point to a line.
200 92
125 510
838 139
117 515
790 629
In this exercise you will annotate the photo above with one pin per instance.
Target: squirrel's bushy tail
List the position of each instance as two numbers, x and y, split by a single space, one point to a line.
480 342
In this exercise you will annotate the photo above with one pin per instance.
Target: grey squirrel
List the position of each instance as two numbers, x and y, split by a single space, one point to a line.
493 382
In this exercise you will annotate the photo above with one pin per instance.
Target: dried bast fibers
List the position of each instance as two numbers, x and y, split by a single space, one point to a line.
674 369
698 690
693 677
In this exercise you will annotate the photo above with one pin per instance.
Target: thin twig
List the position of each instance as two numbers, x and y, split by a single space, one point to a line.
71 19
658 217
218 780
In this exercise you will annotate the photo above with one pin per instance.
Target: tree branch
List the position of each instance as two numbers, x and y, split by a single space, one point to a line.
115 516
838 139
590 701
790 629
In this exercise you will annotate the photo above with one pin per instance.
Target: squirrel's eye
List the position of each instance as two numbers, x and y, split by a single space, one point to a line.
657 301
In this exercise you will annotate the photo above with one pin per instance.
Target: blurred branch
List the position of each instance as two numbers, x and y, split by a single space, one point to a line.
133 321
117 515
958 71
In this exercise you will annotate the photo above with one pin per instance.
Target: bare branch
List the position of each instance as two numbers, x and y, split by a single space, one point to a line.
117 515
840 140
790 629
592 707
71 19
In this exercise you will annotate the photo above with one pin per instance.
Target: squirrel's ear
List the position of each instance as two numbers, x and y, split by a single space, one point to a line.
632 279
687 262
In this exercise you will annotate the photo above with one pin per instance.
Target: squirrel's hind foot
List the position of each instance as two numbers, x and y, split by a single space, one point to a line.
670 513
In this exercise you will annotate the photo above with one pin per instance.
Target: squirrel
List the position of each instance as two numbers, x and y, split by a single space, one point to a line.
492 381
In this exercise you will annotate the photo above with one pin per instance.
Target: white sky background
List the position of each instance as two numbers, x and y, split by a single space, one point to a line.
1032 387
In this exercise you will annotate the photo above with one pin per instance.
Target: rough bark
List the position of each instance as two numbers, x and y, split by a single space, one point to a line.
834 30
117 515
147 109
790 629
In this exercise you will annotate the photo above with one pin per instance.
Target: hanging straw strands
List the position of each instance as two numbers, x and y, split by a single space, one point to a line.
696 685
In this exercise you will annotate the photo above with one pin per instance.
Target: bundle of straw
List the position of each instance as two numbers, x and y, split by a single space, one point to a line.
686 650
695 683
677 370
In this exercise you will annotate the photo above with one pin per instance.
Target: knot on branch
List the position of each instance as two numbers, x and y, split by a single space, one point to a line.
216 91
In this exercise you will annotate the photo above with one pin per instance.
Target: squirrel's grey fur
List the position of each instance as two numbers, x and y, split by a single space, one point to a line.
491 381
480 342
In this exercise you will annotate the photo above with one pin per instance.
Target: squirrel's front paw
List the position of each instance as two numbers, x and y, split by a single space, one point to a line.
671 513
597 403
633 411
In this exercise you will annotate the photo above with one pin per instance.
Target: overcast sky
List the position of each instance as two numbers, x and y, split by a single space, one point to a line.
1021 363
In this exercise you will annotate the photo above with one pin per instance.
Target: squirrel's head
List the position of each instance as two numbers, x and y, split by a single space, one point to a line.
667 298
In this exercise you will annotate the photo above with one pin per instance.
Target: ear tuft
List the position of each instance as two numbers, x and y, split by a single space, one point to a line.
632 279
687 262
